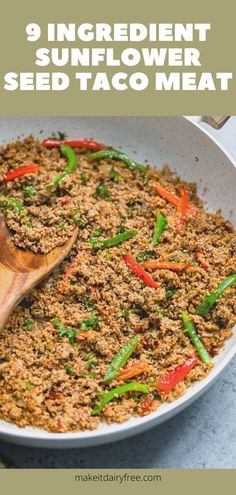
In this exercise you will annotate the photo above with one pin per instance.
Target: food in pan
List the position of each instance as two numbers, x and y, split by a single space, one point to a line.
140 307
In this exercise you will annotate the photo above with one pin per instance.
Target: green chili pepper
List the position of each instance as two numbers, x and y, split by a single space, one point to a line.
102 192
112 241
190 330
11 204
121 357
112 394
69 370
160 227
210 299
117 155
69 153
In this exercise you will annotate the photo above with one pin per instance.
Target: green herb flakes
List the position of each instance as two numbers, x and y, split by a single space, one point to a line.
64 331
29 191
83 179
69 370
170 293
29 324
103 193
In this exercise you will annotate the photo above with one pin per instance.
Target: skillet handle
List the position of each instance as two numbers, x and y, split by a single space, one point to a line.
216 122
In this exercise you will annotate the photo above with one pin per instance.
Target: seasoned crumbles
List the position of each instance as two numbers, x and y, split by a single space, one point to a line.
58 344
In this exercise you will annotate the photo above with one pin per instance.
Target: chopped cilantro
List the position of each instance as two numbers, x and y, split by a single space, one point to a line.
93 322
102 192
92 363
108 255
170 293
27 385
83 179
126 311
29 191
161 311
59 136
76 218
115 175
69 370
145 255
61 224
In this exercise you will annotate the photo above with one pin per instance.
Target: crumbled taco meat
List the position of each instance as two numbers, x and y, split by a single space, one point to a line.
56 348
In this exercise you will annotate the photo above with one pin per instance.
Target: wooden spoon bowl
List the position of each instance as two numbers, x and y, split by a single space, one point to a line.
21 270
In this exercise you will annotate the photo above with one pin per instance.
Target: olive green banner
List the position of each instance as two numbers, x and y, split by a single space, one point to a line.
159 481
160 58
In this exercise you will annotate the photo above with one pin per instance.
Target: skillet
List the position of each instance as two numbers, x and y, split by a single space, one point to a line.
197 157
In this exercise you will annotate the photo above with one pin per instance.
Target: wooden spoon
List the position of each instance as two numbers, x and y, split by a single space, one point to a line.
21 270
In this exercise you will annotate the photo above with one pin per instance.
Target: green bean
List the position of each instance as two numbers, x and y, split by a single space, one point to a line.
190 331
121 357
112 394
117 155
112 241
69 153
210 299
160 227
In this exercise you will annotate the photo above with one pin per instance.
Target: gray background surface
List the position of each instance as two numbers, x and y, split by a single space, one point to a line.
204 435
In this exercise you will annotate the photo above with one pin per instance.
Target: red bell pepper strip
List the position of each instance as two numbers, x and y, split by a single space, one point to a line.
67 273
201 261
85 143
28 168
170 380
65 200
139 271
182 209
173 199
166 265
138 327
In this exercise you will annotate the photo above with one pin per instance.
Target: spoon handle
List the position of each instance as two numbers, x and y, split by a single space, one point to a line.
11 291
